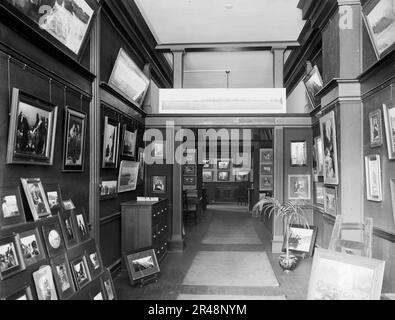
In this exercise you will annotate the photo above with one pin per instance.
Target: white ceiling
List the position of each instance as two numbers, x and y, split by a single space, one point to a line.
207 21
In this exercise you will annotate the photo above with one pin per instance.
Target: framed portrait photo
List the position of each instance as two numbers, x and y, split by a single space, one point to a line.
74 141
313 84
158 184
53 238
81 226
302 240
63 277
11 210
141 264
328 134
80 271
31 136
298 153
373 178
189 180
110 143
128 175
379 19
207 164
11 257
31 247
330 269
265 183
319 155
36 198
375 129
223 176
93 259
299 187
45 286
330 200
129 138
21 294
108 189
68 228
389 118
108 285
266 156
54 196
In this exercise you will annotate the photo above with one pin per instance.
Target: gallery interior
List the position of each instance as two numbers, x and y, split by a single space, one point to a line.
197 150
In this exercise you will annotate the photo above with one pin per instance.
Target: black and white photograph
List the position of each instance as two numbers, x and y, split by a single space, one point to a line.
31 247
223 164
36 198
208 175
11 210
108 189
142 263
93 261
376 131
129 141
11 261
45 285
299 187
389 118
53 238
82 226
54 196
298 153
128 176
158 184
189 181
265 183
63 277
313 83
80 271
223 176
329 145
68 205
68 228
110 143
302 239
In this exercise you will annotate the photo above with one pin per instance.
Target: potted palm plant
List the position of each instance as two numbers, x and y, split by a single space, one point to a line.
291 212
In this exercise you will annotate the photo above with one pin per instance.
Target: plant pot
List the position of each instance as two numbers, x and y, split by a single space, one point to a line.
288 263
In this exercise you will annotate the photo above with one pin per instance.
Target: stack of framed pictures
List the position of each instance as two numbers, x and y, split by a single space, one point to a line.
189 171
266 170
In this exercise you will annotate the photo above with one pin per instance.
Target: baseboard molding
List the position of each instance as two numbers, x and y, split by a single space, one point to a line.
380 233
177 245
115 268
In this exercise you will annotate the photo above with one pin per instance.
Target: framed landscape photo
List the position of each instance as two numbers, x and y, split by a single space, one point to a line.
373 178
127 78
10 257
53 238
302 240
189 181
313 84
328 134
223 164
299 187
74 141
189 169
208 176
298 153
223 176
108 286
142 263
68 229
108 189
54 196
158 184
11 210
129 138
31 247
32 128
128 174
81 226
80 272
266 156
21 294
45 286
110 143
265 183
340 276
63 277
375 129
36 198
330 200
389 118
380 22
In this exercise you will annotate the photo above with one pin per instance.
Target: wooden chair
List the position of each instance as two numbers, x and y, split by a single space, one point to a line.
362 248
191 204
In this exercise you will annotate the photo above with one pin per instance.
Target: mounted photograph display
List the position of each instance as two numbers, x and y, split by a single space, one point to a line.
36 198
11 210
373 178
313 84
299 187
375 129
129 138
110 143
128 174
329 148
389 118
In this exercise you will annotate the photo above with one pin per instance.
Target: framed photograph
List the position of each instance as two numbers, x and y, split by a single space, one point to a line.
373 178
328 133
158 184
375 129
54 196
266 169
68 229
298 153
53 238
208 176
11 211
31 136
108 285
22 294
223 176
45 286
93 259
74 141
313 83
319 193
189 169
68 205
108 189
223 164
189 180
141 264
31 247
141 165
242 175
266 183
319 155
266 156
128 174
97 292
82 226
128 79
80 272
299 187
380 22
330 200
63 277
302 240
36 198
129 138
389 118
392 188
158 149
66 26
340 276
10 257
110 143
207 164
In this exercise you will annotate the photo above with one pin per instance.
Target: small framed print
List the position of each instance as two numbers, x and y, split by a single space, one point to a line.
129 138
74 141
11 210
68 229
375 129
110 143
223 164
63 277
94 262
330 201
54 196
266 183
392 188
36 198
141 165
128 176
108 189
242 175
108 285
223 176
45 286
207 164
328 134
319 193
31 247
53 238
189 169
189 181
266 169
266 156
68 205
298 153
80 272
82 226
10 257
301 239
373 178
208 175
319 155
299 187
389 118
22 294
158 184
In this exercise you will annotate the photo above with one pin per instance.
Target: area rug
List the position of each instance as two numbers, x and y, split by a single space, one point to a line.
231 268
227 297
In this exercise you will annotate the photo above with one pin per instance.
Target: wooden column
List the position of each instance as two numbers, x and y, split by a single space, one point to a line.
278 66
178 68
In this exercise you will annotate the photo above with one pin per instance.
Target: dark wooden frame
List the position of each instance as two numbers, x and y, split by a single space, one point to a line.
21 265
108 165
21 218
138 254
312 242
191 167
223 180
36 216
186 182
305 153
107 277
47 227
164 179
68 215
81 237
125 128
62 259
42 256
73 271
40 271
90 250
52 187
27 290
108 196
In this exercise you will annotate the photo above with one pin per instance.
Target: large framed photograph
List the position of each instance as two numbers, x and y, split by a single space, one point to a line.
208 176
328 133
74 141
54 196
129 138
302 240
36 198
142 263
110 143
80 271
330 200
68 229
53 238
65 24
223 176
313 83
128 174
11 210
108 189
63 277
10 257
299 187
108 286
45 286
158 184
265 183
266 156
380 22
31 247
375 129
319 155
340 276
31 135
128 79
82 226
373 178
298 153
389 118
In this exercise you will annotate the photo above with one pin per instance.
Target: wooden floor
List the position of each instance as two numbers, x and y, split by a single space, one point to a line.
176 265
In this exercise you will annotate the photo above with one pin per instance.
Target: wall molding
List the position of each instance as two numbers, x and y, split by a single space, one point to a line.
110 218
380 233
